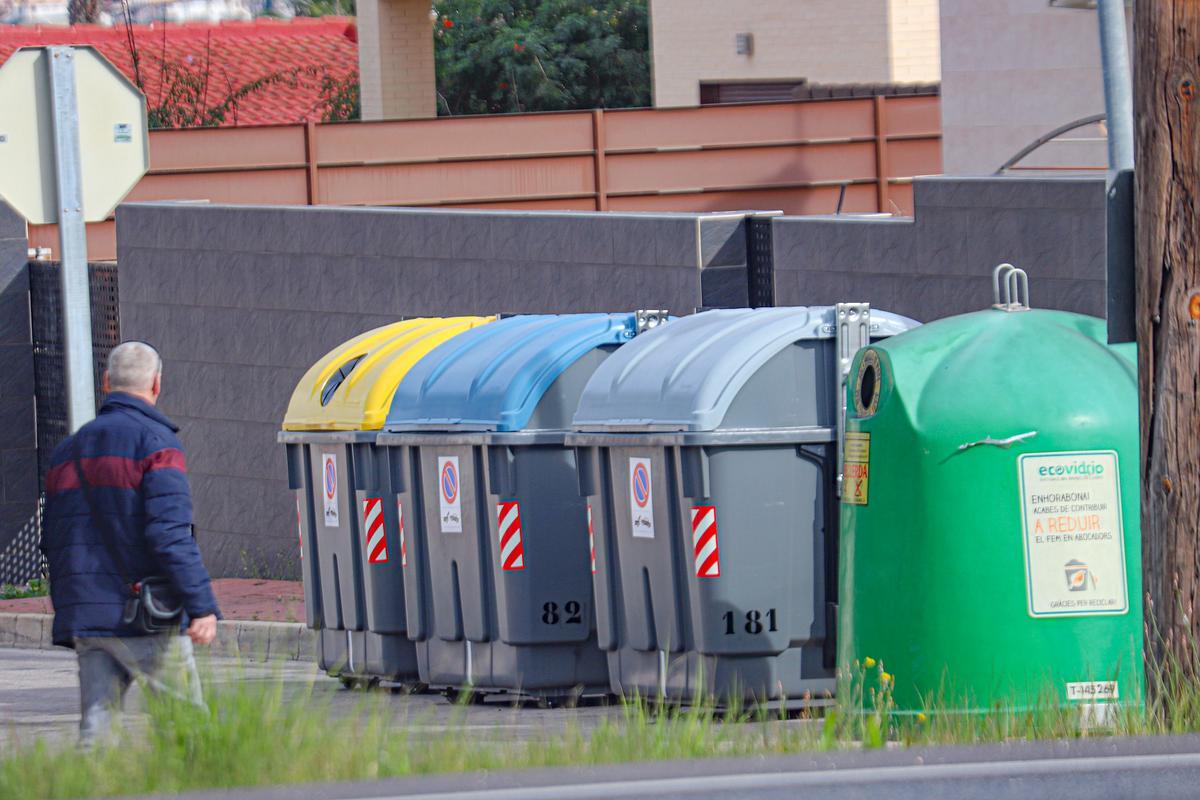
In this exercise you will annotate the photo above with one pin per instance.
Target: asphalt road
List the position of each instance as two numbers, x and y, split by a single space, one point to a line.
1141 769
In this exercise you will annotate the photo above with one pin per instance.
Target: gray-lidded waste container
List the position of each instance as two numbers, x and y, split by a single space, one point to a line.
498 580
353 585
708 455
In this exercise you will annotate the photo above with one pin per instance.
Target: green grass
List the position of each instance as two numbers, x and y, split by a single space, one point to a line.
38 587
253 733
249 734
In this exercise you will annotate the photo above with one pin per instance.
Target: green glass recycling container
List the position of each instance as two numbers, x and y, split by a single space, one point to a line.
990 550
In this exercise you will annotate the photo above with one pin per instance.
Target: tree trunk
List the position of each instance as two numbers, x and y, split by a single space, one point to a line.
1167 112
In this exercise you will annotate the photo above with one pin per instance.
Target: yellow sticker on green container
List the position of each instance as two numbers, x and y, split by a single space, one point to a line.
856 468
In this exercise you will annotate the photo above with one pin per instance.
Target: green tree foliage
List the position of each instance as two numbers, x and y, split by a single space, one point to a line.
340 100
323 8
541 55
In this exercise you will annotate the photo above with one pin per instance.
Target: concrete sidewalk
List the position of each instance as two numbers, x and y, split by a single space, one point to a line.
263 621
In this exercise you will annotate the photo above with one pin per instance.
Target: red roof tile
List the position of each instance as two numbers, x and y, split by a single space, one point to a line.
296 53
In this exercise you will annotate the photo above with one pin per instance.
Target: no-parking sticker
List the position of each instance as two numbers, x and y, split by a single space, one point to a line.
449 494
329 480
641 499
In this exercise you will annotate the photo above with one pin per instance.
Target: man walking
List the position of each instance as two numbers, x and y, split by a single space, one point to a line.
119 511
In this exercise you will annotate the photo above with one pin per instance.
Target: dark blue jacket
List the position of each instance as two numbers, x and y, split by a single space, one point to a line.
135 465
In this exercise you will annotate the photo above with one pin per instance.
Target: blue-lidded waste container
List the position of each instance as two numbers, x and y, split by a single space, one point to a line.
708 456
495 533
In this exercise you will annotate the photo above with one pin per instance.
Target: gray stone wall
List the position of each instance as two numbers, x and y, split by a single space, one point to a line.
940 261
18 446
241 300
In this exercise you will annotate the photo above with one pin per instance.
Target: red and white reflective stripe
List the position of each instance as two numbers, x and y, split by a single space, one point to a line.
512 551
373 525
704 542
591 538
299 526
403 543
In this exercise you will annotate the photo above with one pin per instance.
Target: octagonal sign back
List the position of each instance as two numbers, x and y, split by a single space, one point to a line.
113 146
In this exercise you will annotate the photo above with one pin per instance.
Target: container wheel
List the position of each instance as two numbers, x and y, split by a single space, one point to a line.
558 701
413 687
466 697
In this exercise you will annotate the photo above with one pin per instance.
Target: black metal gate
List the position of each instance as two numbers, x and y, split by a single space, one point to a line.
760 261
20 558
45 306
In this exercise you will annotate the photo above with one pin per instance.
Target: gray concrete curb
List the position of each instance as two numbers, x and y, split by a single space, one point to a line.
244 639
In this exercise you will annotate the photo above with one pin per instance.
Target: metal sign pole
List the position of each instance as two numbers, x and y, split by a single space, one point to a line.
72 242
1118 84
1118 106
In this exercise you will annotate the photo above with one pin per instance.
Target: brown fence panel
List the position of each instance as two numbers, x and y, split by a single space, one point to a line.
901 197
908 158
464 161
858 199
730 126
913 130
101 238
267 185
743 168
226 148
457 182
914 115
498 136
567 204
798 157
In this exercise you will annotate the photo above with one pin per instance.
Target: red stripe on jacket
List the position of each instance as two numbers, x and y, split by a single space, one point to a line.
116 472
167 458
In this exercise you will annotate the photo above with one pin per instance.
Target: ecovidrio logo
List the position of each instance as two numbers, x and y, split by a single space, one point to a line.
1077 469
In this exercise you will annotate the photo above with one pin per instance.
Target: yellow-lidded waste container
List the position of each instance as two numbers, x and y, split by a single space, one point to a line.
350 542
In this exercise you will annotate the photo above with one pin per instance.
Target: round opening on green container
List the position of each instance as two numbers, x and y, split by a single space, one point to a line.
336 379
866 387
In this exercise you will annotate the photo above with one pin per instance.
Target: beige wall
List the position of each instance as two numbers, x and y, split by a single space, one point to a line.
1013 70
915 52
823 41
395 57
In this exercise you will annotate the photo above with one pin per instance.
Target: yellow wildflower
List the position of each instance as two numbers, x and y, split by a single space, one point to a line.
921 716
885 677
868 662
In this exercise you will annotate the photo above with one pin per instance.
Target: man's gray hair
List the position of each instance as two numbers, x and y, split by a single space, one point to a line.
133 366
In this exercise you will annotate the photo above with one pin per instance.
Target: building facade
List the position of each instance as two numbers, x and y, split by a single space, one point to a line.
702 51
1014 71
708 50
395 56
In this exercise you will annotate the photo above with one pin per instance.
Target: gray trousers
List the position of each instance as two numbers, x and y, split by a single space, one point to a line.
109 665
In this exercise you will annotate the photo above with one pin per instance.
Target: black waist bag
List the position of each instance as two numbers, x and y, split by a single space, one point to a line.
152 607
